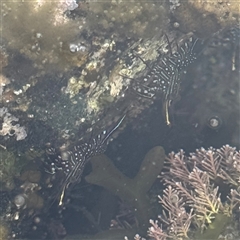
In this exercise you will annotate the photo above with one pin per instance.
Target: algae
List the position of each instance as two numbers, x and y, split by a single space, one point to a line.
215 228
134 191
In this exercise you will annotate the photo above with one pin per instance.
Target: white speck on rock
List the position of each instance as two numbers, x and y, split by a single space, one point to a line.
174 4
8 126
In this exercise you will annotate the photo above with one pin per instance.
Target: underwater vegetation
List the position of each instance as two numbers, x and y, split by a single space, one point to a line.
71 69
8 168
201 198
134 191
131 191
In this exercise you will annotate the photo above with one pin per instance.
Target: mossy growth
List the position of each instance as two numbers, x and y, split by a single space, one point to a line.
12 165
39 30
8 168
205 17
140 19
4 231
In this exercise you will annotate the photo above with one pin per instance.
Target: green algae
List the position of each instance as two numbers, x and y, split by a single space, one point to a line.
9 168
215 228
134 191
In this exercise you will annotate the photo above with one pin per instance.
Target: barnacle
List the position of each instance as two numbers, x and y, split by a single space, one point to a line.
75 85
19 200
214 122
